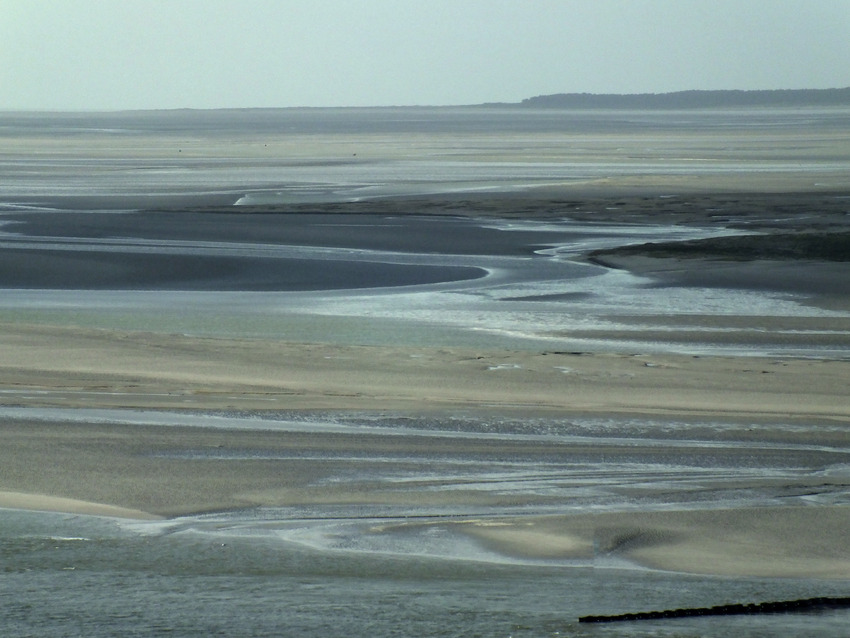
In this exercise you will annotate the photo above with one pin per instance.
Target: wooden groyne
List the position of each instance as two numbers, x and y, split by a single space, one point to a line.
785 606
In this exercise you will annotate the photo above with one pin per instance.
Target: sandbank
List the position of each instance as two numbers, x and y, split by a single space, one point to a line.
764 542
149 471
80 367
46 503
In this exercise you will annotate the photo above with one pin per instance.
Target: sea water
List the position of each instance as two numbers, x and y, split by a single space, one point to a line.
65 575
317 570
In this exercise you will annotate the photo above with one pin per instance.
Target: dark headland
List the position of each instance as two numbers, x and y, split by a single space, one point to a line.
693 99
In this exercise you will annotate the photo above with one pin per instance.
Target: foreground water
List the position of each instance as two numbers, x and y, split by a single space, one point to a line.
66 575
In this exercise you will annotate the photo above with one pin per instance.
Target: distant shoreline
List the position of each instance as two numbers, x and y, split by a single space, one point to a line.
689 99
693 99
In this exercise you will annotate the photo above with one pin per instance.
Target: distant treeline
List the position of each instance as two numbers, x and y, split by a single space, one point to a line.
693 99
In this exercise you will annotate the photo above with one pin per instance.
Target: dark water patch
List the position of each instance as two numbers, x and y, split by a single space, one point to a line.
737 609
832 246
566 296
116 270
408 233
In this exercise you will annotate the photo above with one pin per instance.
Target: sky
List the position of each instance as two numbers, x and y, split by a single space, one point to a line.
142 54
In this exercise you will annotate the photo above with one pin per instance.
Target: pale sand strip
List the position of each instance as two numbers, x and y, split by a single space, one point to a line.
45 503
765 542
65 366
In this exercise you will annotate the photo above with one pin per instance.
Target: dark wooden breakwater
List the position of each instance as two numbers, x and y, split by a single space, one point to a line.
785 606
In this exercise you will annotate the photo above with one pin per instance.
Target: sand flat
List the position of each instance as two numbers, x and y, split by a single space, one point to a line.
147 471
120 471
69 366
47 503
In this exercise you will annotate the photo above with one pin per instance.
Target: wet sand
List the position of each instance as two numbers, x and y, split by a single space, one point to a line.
114 470
78 367
765 542
148 472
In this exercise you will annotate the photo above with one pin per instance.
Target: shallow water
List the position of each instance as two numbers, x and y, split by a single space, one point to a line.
495 290
291 155
66 575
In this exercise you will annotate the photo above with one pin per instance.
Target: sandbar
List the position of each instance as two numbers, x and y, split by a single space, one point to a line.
80 367
762 542
155 471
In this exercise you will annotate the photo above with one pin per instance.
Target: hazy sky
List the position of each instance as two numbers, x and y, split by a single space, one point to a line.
116 54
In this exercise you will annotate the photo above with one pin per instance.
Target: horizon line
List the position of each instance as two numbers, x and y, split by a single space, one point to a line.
521 102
